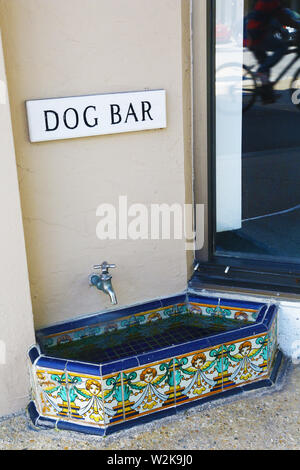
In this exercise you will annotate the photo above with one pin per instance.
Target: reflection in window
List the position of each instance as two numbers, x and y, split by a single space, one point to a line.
258 129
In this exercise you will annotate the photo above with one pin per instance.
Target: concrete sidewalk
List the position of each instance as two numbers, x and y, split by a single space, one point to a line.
262 420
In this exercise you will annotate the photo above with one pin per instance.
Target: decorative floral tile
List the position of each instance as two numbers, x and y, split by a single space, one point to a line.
244 315
245 361
86 403
149 388
33 383
199 375
51 393
113 398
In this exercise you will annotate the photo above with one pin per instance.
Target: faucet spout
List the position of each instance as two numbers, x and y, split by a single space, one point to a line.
112 295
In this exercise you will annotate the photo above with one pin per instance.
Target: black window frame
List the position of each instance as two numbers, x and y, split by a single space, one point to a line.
227 270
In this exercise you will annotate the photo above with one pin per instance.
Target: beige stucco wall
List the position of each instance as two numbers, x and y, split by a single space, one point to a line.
71 47
16 321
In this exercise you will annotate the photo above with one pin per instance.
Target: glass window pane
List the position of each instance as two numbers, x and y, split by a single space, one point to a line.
257 129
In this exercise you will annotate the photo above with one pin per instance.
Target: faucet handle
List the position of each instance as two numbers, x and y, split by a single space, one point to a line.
105 266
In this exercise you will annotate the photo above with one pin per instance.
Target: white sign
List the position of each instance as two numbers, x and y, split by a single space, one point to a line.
83 116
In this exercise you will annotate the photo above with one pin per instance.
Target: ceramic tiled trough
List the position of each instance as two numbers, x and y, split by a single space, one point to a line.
128 366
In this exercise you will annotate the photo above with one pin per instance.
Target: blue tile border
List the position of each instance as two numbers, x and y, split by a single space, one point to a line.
83 368
70 426
270 315
199 299
276 366
256 385
46 422
263 313
178 299
32 411
51 363
119 366
241 304
33 354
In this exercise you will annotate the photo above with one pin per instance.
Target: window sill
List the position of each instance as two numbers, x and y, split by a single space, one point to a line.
248 276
